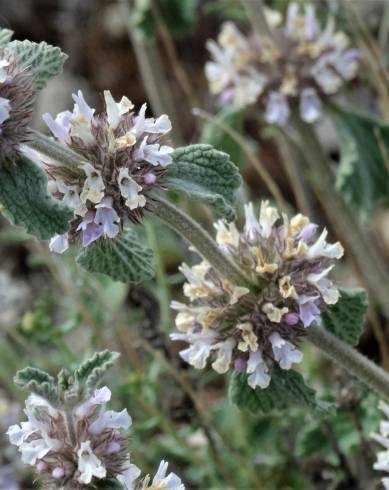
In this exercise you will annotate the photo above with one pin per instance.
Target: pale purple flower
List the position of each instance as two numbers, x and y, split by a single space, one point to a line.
107 217
5 109
309 311
91 231
258 371
292 318
59 243
277 109
310 105
308 232
149 178
285 353
60 126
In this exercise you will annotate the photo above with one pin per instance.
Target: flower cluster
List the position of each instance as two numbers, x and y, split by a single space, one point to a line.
17 97
256 329
382 462
305 64
79 446
124 160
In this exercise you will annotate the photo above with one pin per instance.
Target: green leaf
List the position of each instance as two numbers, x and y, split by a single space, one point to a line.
205 174
26 201
37 381
89 373
287 388
44 61
5 37
363 174
214 135
124 258
346 318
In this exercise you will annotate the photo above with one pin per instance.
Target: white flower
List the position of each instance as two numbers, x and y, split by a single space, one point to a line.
130 190
3 72
284 352
251 226
310 105
19 433
89 464
258 371
81 120
326 287
72 198
128 477
200 349
5 109
226 234
273 313
37 449
224 355
116 110
163 482
323 249
111 420
93 185
60 126
59 243
99 397
277 108
154 154
267 217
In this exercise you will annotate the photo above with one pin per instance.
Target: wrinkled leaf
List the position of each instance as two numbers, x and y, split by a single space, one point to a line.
37 381
125 258
214 135
5 37
287 388
44 61
26 201
89 373
363 173
345 319
205 174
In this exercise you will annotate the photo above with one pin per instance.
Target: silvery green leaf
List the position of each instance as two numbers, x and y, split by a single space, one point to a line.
346 318
37 381
43 60
205 174
124 258
88 375
286 389
26 202
363 173
5 37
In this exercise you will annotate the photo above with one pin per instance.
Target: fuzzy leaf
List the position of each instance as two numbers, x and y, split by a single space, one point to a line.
26 202
287 388
363 174
37 381
124 259
214 135
5 37
43 60
205 174
89 373
345 319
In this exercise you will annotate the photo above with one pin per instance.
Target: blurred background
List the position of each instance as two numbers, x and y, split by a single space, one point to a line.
54 314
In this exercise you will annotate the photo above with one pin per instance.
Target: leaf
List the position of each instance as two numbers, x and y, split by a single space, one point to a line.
363 173
345 319
26 201
205 174
89 373
124 258
214 135
43 60
38 382
5 37
287 388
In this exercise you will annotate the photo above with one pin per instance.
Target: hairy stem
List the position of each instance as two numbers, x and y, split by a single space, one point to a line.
201 240
50 148
351 360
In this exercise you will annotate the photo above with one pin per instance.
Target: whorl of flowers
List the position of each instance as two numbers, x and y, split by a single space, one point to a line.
382 462
124 160
17 97
304 65
255 330
79 446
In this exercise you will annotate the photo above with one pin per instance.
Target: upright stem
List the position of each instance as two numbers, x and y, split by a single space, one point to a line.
201 240
367 257
351 360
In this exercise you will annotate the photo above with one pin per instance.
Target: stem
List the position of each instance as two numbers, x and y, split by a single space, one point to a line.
256 15
45 145
70 427
201 240
351 360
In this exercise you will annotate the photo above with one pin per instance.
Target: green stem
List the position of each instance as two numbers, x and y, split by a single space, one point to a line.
52 149
351 360
201 240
